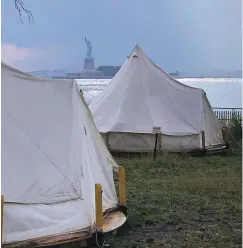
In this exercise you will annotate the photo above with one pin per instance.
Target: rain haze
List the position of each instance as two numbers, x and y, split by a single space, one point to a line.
103 149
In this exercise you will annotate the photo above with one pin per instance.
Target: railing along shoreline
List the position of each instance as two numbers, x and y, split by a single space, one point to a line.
225 114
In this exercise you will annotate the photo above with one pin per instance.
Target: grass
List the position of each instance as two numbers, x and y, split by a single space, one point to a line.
182 202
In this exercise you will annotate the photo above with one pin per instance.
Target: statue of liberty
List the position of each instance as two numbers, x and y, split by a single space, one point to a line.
89 48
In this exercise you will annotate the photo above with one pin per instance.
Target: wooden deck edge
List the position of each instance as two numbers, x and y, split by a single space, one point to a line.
81 235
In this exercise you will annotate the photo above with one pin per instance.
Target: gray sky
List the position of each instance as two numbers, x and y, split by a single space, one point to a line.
184 35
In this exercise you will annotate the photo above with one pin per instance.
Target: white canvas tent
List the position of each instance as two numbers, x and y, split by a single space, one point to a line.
143 99
52 157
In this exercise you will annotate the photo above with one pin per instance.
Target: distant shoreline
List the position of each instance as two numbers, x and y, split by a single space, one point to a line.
62 74
209 77
171 76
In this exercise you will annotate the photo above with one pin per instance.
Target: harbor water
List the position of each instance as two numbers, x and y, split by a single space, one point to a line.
221 92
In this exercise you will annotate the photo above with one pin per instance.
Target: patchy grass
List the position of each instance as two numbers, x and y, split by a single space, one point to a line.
182 202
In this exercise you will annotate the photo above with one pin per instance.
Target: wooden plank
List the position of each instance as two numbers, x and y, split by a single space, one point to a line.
122 186
98 205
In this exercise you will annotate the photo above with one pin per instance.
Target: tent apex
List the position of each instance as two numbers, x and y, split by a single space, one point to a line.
136 51
137 47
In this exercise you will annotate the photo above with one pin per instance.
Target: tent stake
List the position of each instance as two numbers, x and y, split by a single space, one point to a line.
2 202
122 186
98 204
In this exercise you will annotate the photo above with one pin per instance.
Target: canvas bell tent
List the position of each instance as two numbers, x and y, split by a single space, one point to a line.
54 163
142 100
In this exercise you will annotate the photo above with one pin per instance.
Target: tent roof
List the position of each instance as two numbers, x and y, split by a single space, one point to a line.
54 156
142 96
138 52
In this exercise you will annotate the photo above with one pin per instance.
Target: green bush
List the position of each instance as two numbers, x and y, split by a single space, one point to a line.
235 126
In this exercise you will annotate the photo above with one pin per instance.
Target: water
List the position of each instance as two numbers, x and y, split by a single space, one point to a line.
221 92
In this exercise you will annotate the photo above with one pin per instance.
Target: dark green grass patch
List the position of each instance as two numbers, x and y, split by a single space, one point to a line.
180 201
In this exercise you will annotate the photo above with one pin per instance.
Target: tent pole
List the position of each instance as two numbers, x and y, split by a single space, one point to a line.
2 202
98 204
156 131
203 139
122 185
159 141
155 146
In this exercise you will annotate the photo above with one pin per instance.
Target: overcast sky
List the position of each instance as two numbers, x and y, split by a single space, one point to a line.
184 35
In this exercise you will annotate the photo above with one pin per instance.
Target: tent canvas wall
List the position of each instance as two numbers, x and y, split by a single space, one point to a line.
52 157
142 97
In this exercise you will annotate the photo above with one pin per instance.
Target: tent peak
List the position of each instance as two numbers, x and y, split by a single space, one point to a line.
137 47
135 52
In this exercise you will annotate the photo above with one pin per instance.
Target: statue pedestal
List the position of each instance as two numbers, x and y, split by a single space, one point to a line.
88 64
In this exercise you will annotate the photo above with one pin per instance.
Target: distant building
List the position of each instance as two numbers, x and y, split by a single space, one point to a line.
85 74
174 74
109 70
